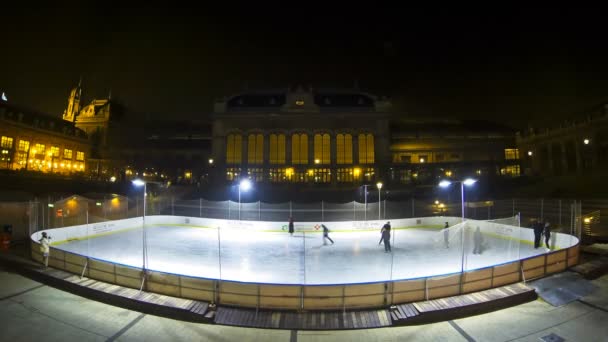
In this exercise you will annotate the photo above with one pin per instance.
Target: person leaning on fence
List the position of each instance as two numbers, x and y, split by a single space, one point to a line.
291 225
45 242
537 226
326 235
547 234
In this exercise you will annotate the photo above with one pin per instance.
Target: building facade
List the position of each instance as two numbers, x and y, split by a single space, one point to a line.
348 137
576 147
35 142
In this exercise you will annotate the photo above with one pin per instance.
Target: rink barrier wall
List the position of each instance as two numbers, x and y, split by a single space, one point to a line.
312 297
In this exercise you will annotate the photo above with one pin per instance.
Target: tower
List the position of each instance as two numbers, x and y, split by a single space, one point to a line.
73 104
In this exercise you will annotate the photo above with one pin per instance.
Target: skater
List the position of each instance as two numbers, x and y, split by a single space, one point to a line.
44 248
538 230
326 235
478 240
547 233
446 235
386 236
290 225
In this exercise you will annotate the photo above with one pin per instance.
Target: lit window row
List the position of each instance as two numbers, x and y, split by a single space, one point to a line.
321 145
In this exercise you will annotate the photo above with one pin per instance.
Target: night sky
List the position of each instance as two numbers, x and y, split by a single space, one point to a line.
516 66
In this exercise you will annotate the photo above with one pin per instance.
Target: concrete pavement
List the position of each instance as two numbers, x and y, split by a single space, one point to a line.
30 311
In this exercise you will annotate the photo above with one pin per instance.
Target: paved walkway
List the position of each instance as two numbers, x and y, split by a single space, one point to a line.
30 311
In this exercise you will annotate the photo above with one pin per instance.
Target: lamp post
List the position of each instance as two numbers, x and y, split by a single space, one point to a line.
138 183
467 182
379 185
244 185
365 196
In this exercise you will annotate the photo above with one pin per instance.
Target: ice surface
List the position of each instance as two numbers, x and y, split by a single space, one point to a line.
277 257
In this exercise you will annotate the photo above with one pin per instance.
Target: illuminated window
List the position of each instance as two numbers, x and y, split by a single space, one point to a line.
280 175
233 173
79 155
255 149
22 158
24 145
39 149
67 154
299 102
277 149
344 148
322 147
255 174
366 148
511 153
6 142
510 170
345 175
54 151
321 175
234 148
369 174
299 149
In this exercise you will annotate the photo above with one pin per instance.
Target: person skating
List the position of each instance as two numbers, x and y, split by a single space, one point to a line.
45 242
386 236
290 225
547 233
538 230
326 235
446 235
478 240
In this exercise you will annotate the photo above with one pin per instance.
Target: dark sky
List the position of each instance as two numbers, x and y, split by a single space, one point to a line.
510 65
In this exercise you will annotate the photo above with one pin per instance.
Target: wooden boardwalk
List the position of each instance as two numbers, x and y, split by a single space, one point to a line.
330 320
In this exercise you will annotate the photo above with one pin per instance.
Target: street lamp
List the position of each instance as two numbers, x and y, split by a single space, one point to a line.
467 182
138 183
244 185
379 185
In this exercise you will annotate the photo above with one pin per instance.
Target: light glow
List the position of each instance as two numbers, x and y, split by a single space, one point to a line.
445 183
245 185
469 181
138 182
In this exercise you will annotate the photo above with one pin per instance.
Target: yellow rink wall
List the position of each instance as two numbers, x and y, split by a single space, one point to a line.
313 297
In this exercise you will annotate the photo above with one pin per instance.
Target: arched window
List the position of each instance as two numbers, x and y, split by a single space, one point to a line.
322 149
277 149
344 148
366 149
299 149
255 149
234 148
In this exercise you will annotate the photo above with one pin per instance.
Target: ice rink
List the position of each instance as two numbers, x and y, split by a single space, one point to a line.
277 257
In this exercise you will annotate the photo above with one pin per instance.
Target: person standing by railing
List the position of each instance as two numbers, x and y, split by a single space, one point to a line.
45 242
291 226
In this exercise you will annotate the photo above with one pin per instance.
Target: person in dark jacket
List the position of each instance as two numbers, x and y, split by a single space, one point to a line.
326 235
386 236
538 231
547 233
291 226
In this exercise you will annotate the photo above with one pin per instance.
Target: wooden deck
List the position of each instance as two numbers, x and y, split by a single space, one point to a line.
330 320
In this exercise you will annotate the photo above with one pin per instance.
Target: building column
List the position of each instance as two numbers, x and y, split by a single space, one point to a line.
564 159
288 160
333 158
550 158
579 159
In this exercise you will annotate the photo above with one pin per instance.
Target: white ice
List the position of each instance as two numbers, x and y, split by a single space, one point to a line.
277 257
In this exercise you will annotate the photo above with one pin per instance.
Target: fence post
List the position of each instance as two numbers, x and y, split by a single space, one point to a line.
322 212
354 211
172 207
200 207
413 210
290 214
259 210
542 204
